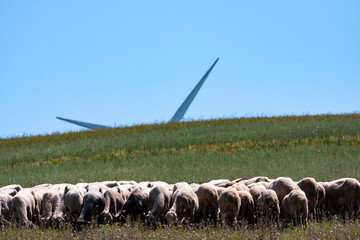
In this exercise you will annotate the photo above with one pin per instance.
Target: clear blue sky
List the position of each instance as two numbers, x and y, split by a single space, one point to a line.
122 63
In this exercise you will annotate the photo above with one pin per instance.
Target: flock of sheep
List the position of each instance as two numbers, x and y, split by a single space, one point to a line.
244 200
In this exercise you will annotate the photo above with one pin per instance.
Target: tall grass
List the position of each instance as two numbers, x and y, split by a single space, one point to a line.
325 147
324 230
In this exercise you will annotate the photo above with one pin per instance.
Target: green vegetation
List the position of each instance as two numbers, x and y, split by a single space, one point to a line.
325 147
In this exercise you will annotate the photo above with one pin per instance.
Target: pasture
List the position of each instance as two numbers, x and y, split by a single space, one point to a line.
325 147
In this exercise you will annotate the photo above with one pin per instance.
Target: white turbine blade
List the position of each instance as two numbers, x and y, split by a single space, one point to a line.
185 105
83 124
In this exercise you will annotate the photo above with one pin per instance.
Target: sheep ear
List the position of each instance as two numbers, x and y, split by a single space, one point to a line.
67 188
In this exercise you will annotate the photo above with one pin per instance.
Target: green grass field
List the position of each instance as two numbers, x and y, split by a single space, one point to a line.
325 147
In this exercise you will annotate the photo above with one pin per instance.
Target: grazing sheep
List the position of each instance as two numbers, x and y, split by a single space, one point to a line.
93 204
25 207
208 202
5 201
58 215
138 203
268 206
73 201
113 202
229 204
283 186
247 209
160 197
310 187
125 191
342 196
295 207
47 208
51 200
320 207
185 206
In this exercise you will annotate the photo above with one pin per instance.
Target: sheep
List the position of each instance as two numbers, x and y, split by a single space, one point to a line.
137 204
73 201
229 204
247 209
185 206
52 201
283 186
208 202
320 207
310 187
113 202
268 208
160 197
93 204
125 191
59 213
5 201
342 196
25 206
295 207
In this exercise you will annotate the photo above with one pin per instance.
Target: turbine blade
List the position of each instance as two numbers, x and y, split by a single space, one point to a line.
185 105
83 124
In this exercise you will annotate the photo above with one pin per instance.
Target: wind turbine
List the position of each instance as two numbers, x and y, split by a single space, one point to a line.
179 114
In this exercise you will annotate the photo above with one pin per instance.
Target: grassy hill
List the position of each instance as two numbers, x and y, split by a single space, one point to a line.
325 147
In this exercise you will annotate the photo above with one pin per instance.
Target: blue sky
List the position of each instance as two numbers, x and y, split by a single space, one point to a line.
121 63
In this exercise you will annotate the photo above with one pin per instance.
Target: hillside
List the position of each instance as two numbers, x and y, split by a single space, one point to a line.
325 147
